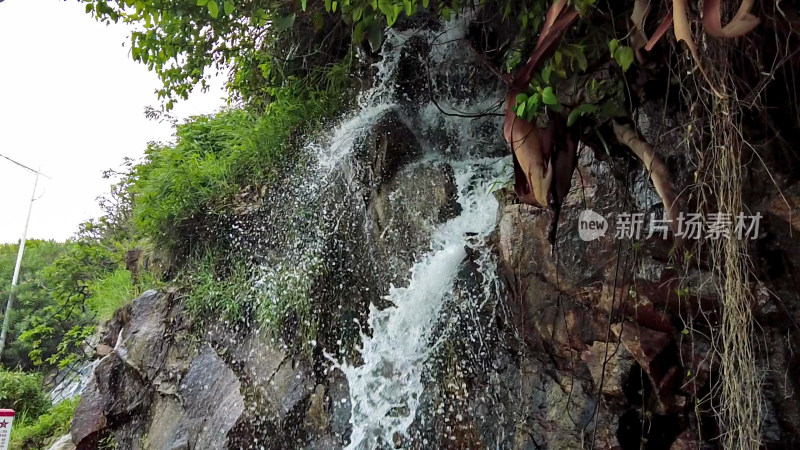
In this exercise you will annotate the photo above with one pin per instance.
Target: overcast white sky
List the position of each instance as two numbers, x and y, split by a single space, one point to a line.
71 102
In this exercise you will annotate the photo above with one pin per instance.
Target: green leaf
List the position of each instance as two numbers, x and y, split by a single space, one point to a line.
521 109
624 57
386 7
546 72
375 36
228 7
358 32
202 2
548 96
585 108
580 58
304 4
446 13
334 5
530 113
425 3
284 22
522 98
213 9
89 7
396 10
612 45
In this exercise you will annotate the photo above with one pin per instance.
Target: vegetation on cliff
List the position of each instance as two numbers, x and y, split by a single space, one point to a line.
294 64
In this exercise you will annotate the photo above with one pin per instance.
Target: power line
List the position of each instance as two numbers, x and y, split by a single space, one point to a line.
23 165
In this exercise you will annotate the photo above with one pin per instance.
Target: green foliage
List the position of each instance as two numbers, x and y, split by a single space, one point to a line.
181 40
33 296
272 44
622 54
286 295
23 393
66 288
581 110
570 82
181 189
115 291
271 300
218 291
69 278
41 431
88 282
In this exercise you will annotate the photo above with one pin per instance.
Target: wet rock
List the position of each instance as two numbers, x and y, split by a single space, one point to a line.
154 387
103 350
89 422
523 233
122 388
144 335
280 380
786 205
406 210
388 146
413 77
210 406
610 364
685 441
529 406
323 443
340 405
317 418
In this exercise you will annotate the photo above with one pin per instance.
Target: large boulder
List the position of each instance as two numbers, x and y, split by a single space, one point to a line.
205 408
155 390
406 209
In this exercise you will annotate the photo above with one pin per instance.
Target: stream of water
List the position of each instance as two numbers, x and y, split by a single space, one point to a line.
385 390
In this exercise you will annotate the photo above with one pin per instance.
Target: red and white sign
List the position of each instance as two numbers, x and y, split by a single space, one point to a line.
6 419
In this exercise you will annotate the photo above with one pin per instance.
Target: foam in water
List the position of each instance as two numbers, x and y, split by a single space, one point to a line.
385 391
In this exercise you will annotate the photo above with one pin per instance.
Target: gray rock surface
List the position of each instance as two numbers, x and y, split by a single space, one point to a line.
64 443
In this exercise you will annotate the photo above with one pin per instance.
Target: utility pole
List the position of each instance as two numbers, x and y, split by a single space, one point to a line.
15 278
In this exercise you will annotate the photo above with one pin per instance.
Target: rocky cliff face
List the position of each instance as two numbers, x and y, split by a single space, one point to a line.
594 344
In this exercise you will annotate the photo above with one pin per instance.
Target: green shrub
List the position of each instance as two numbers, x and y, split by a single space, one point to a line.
43 430
23 393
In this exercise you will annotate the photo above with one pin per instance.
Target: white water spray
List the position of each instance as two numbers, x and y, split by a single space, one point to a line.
385 391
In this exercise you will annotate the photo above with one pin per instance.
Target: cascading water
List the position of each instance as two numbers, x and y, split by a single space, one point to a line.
385 390
386 387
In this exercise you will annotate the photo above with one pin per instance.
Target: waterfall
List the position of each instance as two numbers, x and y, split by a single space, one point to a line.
385 391
386 385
